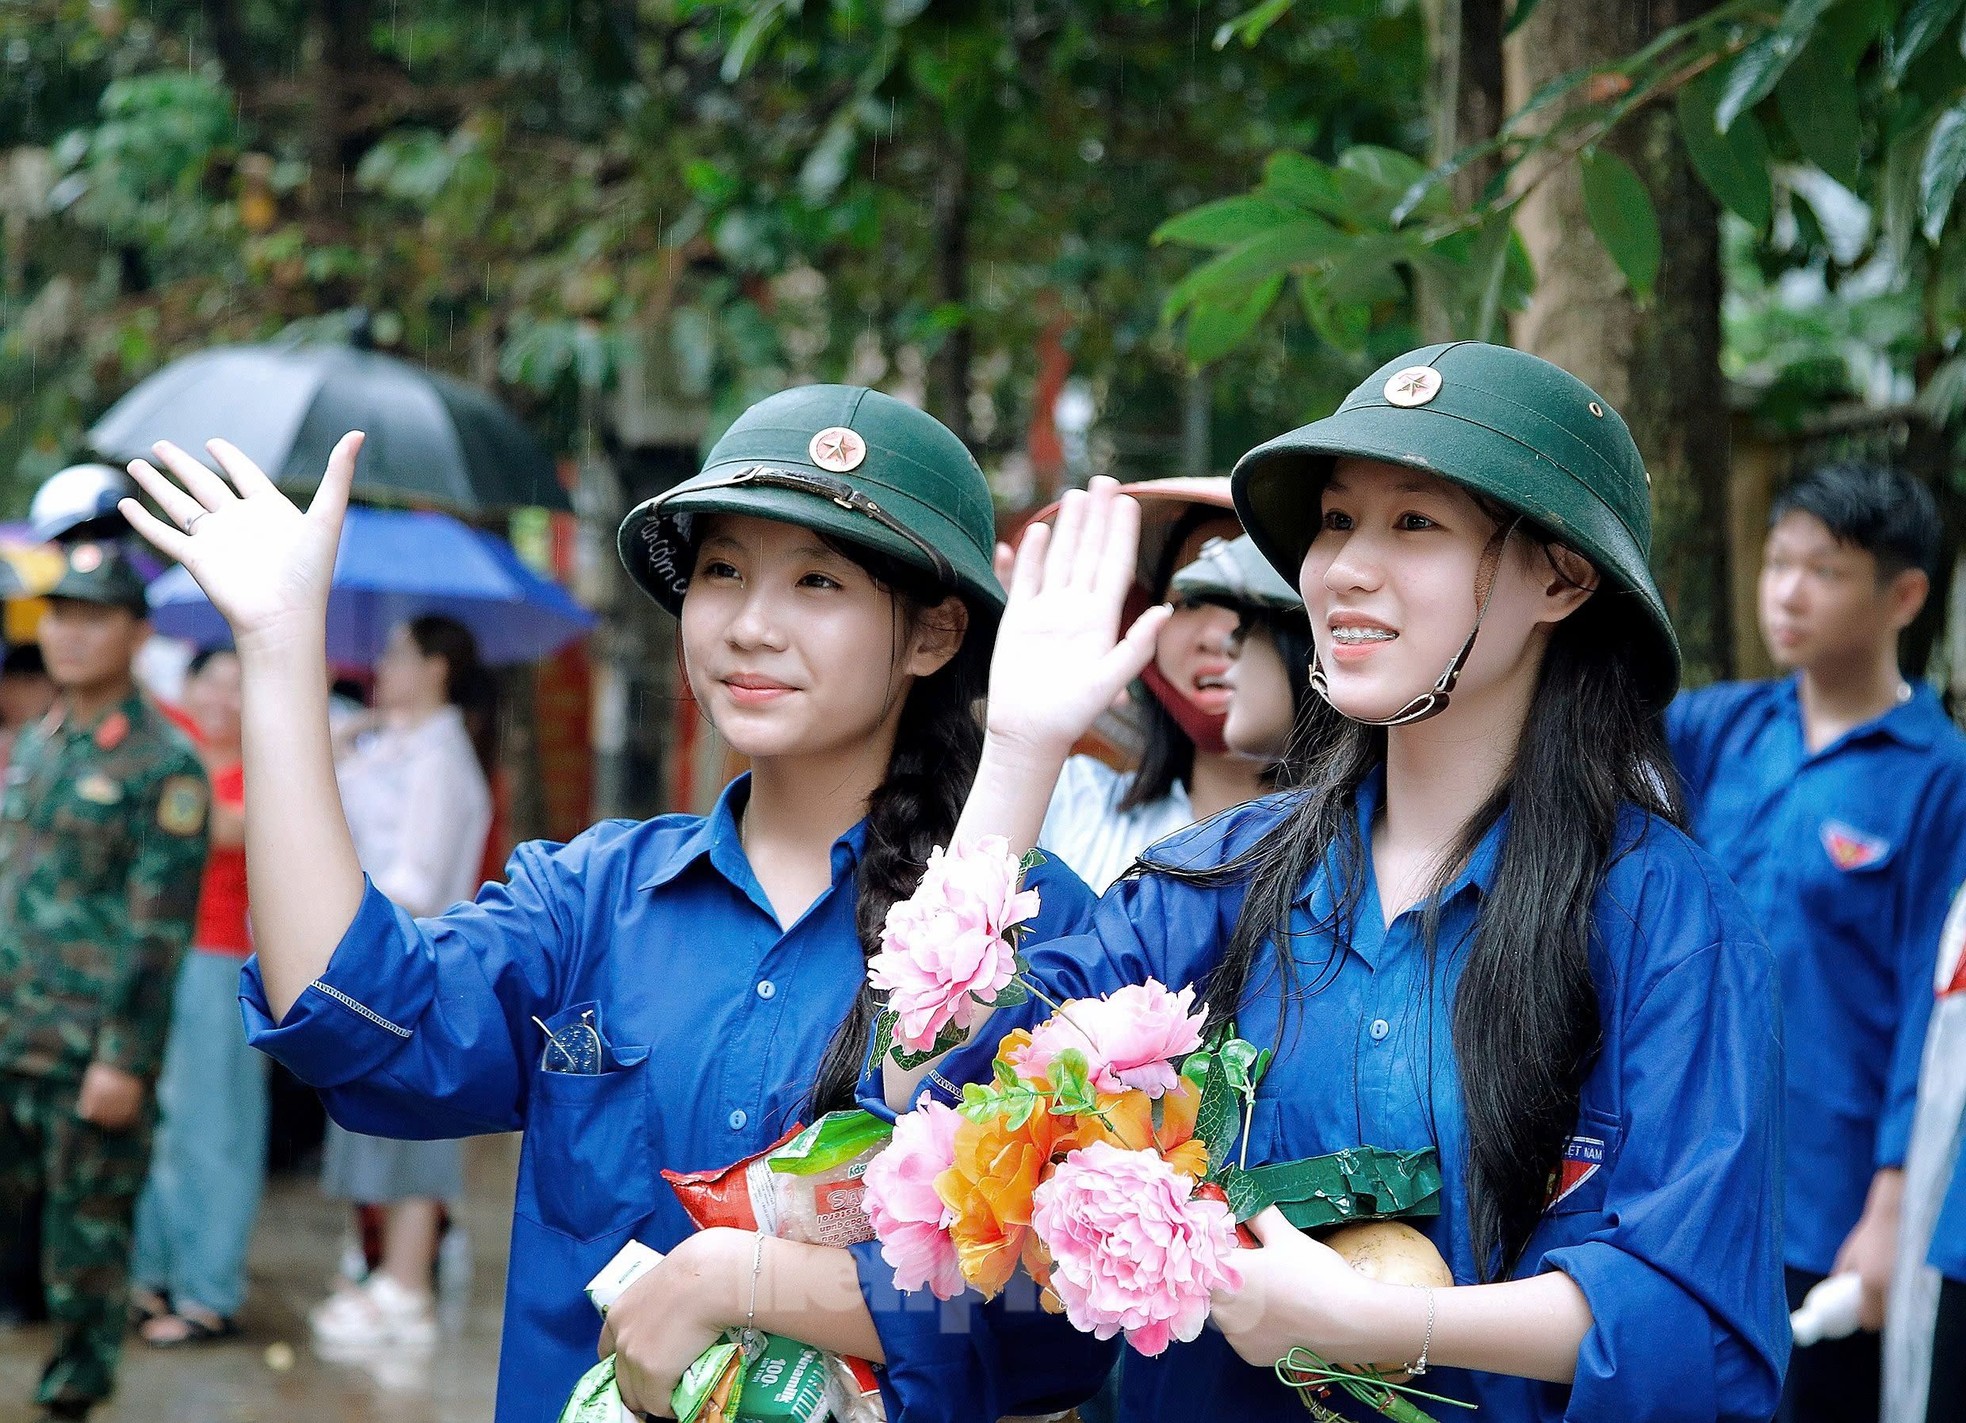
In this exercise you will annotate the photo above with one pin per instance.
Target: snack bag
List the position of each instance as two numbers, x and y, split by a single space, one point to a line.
806 1186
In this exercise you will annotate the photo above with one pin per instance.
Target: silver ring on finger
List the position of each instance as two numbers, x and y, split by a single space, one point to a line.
191 524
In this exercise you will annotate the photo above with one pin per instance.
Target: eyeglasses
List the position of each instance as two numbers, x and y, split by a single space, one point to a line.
574 1048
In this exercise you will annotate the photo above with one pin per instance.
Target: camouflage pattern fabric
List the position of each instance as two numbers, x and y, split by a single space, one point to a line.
102 848
91 1178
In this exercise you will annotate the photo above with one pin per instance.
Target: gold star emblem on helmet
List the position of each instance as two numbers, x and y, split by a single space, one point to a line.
1415 385
837 449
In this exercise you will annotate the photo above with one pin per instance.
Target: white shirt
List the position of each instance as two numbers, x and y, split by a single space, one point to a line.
419 809
1084 827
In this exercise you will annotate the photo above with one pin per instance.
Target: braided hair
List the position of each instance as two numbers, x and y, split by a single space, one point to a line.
915 808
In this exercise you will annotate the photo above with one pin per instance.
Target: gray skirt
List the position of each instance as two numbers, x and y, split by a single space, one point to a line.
374 1170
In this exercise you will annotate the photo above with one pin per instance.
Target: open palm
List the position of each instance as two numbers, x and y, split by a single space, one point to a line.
1060 659
264 564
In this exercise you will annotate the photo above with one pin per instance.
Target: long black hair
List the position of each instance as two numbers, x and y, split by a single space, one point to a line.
468 684
915 808
1525 1015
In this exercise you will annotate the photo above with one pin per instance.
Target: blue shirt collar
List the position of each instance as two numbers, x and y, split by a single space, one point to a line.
1916 722
1318 894
716 837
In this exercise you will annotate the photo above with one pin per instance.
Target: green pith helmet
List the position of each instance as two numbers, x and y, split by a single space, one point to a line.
840 460
1234 572
1506 425
101 573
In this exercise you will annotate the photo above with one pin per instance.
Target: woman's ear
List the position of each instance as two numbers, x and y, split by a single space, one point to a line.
939 632
1572 579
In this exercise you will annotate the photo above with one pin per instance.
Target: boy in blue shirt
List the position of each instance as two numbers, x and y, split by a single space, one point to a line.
1836 799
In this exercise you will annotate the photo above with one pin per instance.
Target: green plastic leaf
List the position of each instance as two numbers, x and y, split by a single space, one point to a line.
1225 223
1014 992
1622 216
1924 22
1215 329
1030 860
835 1138
1753 76
1215 1118
1733 165
1239 1060
1519 16
1939 175
1072 1093
1818 101
1360 1183
886 1047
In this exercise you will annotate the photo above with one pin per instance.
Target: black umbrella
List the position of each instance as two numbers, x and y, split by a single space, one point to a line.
431 439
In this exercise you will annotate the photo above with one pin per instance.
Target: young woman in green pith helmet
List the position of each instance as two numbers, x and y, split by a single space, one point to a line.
1478 928
675 993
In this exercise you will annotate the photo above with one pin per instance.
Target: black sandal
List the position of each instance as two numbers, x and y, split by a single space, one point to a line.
147 1304
196 1331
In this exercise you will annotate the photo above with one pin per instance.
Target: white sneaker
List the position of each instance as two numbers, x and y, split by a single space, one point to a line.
379 1312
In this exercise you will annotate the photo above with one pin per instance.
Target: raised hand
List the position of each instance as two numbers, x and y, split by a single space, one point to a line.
264 564
1060 659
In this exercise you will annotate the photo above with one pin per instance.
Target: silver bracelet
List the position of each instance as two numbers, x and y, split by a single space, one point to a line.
1419 1365
758 1264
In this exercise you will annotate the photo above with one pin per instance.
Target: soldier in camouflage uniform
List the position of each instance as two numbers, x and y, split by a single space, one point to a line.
102 844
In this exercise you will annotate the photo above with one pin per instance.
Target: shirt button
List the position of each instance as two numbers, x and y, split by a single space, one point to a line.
767 989
1380 1027
738 1119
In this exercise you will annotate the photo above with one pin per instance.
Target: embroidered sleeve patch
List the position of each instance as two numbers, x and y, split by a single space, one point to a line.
1851 849
181 806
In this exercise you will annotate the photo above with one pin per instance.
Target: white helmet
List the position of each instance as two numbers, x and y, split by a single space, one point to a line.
79 503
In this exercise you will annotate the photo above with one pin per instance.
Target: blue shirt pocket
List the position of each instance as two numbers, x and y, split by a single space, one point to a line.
1584 1170
588 1151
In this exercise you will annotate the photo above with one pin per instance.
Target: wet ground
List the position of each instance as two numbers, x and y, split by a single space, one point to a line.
271 1374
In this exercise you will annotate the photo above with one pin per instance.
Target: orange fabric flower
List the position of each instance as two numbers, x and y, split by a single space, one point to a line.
1129 1124
989 1187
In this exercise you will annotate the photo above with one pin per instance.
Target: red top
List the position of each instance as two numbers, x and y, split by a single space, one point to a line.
222 902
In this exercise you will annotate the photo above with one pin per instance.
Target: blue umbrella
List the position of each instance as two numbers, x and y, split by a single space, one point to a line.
394 565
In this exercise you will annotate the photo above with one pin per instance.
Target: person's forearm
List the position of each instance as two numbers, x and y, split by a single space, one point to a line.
1530 1328
810 1293
1012 790
303 881
228 827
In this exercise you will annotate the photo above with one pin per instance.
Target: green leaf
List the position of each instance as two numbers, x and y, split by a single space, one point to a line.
1014 992
835 1138
1622 216
1519 16
1031 859
1224 223
1818 101
1215 329
1753 76
1238 1060
1733 165
1215 1118
1924 21
1303 182
1233 275
1251 23
1939 175
1072 1092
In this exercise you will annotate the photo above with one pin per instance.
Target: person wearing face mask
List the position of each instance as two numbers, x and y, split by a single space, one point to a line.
678 992
1478 928
1271 704
1100 819
1835 796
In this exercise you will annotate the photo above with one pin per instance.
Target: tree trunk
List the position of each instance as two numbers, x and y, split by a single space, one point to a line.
948 374
1465 103
1659 366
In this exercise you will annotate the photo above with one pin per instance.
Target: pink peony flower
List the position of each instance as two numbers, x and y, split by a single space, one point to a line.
945 950
1131 1247
909 1218
1130 1038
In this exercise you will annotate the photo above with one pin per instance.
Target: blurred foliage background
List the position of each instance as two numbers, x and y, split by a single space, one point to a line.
1123 235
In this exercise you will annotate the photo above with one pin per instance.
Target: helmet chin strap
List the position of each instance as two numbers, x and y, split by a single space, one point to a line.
1433 701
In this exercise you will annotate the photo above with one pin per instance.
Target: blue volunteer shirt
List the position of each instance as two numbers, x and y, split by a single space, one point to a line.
1664 1210
713 1020
1848 859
